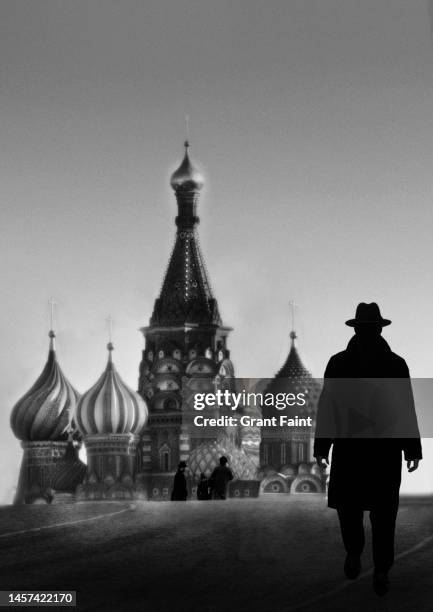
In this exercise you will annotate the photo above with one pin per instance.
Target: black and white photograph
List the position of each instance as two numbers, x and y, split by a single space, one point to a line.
217 272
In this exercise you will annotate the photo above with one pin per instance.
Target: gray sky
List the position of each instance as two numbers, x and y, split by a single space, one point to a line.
313 122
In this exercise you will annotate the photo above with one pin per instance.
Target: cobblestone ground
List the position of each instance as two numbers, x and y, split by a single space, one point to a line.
269 554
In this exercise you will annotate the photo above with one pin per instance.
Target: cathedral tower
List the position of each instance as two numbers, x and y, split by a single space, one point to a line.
286 453
110 417
185 322
185 346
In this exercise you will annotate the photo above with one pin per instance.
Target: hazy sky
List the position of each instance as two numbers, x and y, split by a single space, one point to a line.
313 122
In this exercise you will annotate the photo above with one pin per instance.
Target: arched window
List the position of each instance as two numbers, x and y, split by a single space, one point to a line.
165 458
170 404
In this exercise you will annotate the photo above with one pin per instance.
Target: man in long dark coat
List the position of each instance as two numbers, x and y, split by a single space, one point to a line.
366 413
220 479
180 490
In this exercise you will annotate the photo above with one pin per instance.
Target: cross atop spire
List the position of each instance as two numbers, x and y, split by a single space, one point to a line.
186 129
110 328
292 306
110 346
52 304
293 366
52 334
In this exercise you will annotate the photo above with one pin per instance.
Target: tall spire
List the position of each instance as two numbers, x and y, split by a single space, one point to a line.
186 295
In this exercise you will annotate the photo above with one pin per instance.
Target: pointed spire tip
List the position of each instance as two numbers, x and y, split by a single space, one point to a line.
52 336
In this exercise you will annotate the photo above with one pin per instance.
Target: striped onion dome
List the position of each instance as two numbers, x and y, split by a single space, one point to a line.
43 413
110 406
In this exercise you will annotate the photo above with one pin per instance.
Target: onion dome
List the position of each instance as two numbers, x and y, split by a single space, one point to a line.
186 177
110 406
43 413
205 458
294 377
293 366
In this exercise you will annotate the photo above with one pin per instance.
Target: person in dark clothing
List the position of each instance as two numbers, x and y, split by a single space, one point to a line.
369 421
203 488
220 479
180 491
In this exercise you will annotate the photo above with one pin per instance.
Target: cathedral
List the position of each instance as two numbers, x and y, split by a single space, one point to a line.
134 440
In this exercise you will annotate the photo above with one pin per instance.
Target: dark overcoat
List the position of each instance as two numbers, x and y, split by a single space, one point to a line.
180 491
367 430
219 481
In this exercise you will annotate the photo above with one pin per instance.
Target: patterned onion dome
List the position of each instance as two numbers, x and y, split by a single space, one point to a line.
110 406
294 377
43 413
186 176
206 457
293 366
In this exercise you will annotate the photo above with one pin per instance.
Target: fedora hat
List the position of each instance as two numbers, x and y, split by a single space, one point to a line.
367 314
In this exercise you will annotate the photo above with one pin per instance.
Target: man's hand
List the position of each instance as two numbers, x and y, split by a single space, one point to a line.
412 465
322 462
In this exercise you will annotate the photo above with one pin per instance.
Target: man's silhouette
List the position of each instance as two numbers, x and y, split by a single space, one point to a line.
180 491
366 468
220 479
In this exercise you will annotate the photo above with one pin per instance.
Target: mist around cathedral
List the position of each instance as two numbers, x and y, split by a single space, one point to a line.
179 478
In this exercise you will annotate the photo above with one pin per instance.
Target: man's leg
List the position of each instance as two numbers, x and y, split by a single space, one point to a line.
383 531
352 531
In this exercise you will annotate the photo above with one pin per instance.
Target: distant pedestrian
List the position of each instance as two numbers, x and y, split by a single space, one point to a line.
203 488
220 479
180 491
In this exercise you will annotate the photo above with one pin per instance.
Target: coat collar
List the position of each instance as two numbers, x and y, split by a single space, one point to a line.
376 344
